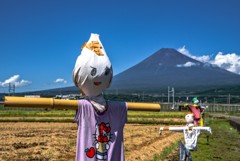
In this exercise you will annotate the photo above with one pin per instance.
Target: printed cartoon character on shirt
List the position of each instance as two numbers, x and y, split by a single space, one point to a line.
102 138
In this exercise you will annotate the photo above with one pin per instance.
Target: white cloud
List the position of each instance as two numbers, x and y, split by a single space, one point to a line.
60 80
14 80
187 64
22 83
184 51
230 62
203 58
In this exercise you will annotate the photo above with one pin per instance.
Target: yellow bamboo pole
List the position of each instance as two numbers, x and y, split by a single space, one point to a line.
135 106
11 101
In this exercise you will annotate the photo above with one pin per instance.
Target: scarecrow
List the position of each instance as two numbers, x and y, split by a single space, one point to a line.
191 134
100 122
197 111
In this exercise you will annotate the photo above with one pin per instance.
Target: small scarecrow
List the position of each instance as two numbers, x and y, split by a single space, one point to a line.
100 122
191 134
197 111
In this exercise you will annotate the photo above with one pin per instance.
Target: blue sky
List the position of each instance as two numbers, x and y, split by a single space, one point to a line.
41 39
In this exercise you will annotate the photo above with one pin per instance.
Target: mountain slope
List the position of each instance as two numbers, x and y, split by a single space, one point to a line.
168 67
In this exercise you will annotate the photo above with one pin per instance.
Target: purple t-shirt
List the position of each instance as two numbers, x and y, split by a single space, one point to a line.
100 136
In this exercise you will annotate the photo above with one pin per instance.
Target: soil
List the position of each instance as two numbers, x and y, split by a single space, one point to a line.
173 156
25 141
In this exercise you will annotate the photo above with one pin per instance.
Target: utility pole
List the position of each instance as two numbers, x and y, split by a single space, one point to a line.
173 105
229 98
143 96
171 92
11 89
168 94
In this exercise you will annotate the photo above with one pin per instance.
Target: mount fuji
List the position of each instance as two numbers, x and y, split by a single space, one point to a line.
168 67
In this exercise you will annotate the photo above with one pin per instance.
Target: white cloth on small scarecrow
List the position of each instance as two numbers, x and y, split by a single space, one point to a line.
93 72
191 133
191 136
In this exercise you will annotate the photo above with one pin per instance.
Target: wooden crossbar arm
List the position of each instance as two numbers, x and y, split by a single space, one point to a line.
11 101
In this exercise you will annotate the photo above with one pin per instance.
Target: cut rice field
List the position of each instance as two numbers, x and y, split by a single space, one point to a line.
51 135
56 141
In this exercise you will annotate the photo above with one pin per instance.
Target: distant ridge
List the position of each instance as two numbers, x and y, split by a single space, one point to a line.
168 67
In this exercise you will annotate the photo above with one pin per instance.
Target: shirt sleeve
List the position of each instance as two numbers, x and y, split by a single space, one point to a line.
78 112
119 111
125 112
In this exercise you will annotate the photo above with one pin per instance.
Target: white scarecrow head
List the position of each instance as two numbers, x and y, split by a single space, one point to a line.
93 69
189 119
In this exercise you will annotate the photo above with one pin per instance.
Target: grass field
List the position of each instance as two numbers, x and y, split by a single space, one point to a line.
223 145
166 118
71 113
